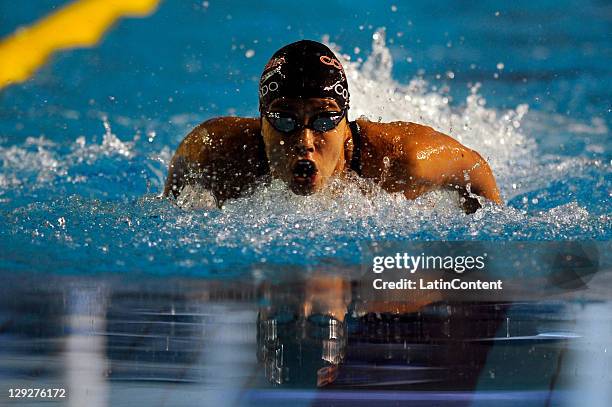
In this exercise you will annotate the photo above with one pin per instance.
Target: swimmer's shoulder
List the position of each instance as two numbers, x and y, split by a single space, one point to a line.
379 133
424 155
408 148
222 138
402 139
224 154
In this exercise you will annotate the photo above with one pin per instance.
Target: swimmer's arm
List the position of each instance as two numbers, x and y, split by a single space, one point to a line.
443 161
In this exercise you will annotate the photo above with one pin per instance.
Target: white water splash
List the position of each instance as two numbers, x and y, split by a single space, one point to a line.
496 135
275 222
40 161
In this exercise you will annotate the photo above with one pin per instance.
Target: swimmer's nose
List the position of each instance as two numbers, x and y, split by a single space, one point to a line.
305 143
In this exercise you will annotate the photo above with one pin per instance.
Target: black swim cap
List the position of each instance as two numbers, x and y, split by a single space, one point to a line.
303 69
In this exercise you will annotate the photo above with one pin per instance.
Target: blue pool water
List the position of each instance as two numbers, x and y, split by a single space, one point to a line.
85 143
123 298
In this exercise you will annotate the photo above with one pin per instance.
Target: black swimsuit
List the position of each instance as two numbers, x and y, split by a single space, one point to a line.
356 159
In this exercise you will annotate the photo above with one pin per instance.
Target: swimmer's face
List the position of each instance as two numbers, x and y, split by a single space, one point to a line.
304 141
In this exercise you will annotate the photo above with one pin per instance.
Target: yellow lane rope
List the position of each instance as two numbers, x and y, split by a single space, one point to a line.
79 24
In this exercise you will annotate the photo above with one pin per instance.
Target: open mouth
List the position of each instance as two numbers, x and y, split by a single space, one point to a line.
304 172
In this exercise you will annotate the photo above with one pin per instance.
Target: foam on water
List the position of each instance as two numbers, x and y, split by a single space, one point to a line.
496 135
85 206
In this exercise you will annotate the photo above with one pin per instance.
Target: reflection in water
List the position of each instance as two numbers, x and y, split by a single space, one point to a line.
194 342
301 334
301 352
85 361
436 346
590 361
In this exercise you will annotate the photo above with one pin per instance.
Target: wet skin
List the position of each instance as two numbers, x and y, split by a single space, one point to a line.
230 155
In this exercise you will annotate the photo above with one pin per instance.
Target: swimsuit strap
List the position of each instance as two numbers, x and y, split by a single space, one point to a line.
356 158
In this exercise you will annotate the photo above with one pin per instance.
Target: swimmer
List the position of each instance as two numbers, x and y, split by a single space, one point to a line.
304 138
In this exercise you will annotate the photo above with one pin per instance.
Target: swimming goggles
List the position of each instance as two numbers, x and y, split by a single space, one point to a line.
288 123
